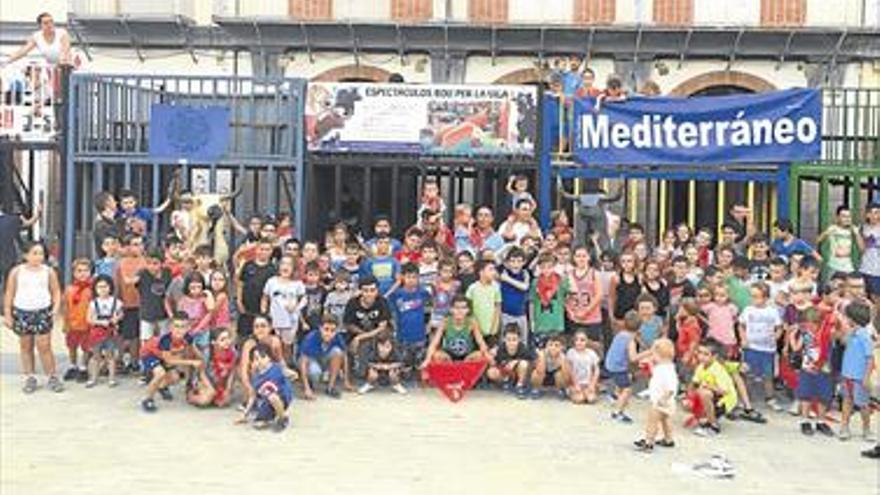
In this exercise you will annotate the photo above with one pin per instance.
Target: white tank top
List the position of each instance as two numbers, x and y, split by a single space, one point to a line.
32 289
50 51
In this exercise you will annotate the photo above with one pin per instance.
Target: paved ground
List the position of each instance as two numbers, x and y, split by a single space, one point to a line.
98 442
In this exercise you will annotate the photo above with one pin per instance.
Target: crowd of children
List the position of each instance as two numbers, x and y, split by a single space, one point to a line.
710 326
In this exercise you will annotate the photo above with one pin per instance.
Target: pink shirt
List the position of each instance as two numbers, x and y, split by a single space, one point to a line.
582 292
222 318
721 322
197 311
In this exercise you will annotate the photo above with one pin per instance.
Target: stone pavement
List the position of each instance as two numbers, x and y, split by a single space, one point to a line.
99 442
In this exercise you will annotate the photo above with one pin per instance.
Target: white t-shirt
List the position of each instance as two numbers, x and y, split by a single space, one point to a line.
583 365
285 301
760 325
664 381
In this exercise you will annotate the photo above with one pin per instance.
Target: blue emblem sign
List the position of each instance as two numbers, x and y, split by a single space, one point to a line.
187 132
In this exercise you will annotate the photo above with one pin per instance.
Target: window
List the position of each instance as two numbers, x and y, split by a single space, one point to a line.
488 11
783 12
594 11
311 9
412 10
674 12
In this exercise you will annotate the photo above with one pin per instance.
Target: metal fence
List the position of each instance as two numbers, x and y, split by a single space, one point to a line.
107 146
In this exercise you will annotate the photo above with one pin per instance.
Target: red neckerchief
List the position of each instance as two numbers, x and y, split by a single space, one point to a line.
79 287
547 287
478 238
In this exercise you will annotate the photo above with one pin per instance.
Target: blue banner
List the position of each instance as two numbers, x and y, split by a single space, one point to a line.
772 127
187 132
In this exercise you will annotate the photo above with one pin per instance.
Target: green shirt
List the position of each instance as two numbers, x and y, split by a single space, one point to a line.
549 319
484 299
739 292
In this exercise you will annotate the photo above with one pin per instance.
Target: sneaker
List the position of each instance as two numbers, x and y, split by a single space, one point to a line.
148 405
30 385
166 394
665 443
643 446
844 434
521 392
795 408
562 394
70 374
280 424
54 384
536 394
643 395
399 388
823 428
807 429
867 436
91 383
112 383
507 387
82 376
704 431
365 388
872 453
621 417
332 392
134 368
773 405
753 416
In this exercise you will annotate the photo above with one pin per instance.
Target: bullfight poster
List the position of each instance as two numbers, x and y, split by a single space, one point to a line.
458 120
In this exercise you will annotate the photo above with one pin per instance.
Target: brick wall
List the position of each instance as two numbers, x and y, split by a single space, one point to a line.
594 11
412 10
488 11
311 9
674 12
783 12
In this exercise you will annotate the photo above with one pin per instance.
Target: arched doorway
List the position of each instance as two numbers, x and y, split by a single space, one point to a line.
697 202
353 73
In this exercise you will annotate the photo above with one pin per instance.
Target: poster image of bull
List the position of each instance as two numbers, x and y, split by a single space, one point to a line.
203 219
421 119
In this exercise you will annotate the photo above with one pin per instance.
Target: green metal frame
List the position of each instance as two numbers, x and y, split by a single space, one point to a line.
860 174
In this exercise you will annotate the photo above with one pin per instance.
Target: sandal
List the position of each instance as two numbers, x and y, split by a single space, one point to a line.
665 443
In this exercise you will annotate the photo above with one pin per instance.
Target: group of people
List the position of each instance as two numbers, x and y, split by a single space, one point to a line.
577 314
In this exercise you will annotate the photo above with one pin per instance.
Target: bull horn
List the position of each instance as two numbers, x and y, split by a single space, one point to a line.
232 195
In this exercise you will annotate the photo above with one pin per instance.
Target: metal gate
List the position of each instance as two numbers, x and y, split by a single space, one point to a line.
107 146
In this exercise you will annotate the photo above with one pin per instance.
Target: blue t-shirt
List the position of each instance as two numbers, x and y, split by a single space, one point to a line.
513 300
617 358
105 266
409 311
314 347
571 82
385 269
141 213
859 349
395 245
786 250
272 381
650 330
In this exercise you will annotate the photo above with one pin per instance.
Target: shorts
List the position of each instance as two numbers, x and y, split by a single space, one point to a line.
37 322
855 391
520 321
130 326
594 331
550 377
287 335
263 410
761 363
621 379
413 354
384 377
77 340
150 329
149 363
814 386
316 367
106 345
245 327
872 284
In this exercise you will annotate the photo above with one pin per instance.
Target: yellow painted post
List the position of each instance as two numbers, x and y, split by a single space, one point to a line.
721 203
663 209
692 204
750 203
633 188
773 208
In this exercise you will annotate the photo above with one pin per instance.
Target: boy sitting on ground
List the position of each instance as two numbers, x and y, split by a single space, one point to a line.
322 350
274 392
512 362
169 359
552 368
384 364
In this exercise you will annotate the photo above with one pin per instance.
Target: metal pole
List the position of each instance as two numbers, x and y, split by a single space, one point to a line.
69 176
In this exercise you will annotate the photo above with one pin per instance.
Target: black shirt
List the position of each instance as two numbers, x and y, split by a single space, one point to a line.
107 228
661 293
522 352
759 270
368 318
152 290
253 279
373 357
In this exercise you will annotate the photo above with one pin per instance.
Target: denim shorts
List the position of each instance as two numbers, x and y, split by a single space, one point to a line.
855 390
814 386
316 367
761 363
621 379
